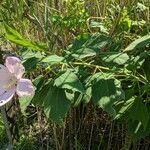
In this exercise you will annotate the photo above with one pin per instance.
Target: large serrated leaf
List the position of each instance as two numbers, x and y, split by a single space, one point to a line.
105 92
27 54
133 109
84 52
138 130
139 43
31 59
53 59
56 105
115 58
96 77
41 90
89 46
69 80
31 63
139 112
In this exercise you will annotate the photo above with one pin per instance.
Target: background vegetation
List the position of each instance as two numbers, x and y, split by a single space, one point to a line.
89 61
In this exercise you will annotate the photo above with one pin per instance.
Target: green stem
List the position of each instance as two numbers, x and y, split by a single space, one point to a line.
3 112
91 65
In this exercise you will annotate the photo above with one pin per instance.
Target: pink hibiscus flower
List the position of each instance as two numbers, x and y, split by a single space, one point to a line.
11 80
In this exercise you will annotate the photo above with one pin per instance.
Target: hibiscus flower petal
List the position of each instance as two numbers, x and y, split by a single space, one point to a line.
1 90
5 76
6 96
25 88
14 66
4 73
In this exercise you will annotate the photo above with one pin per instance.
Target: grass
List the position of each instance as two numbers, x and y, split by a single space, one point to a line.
57 23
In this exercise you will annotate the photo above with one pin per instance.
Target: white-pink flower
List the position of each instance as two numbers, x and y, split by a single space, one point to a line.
11 80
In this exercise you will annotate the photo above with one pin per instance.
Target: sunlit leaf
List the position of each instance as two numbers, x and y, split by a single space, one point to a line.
125 21
53 59
139 43
117 58
24 103
15 37
125 107
89 45
106 91
69 80
87 96
27 54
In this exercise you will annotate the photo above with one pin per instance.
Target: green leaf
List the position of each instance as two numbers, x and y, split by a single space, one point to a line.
96 77
125 108
134 110
53 59
53 100
83 52
70 95
69 80
139 43
89 46
74 97
31 63
27 54
38 81
41 91
24 103
56 105
141 7
117 58
100 25
77 99
125 21
135 62
87 96
15 37
106 91
146 68
137 130
139 112
31 59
